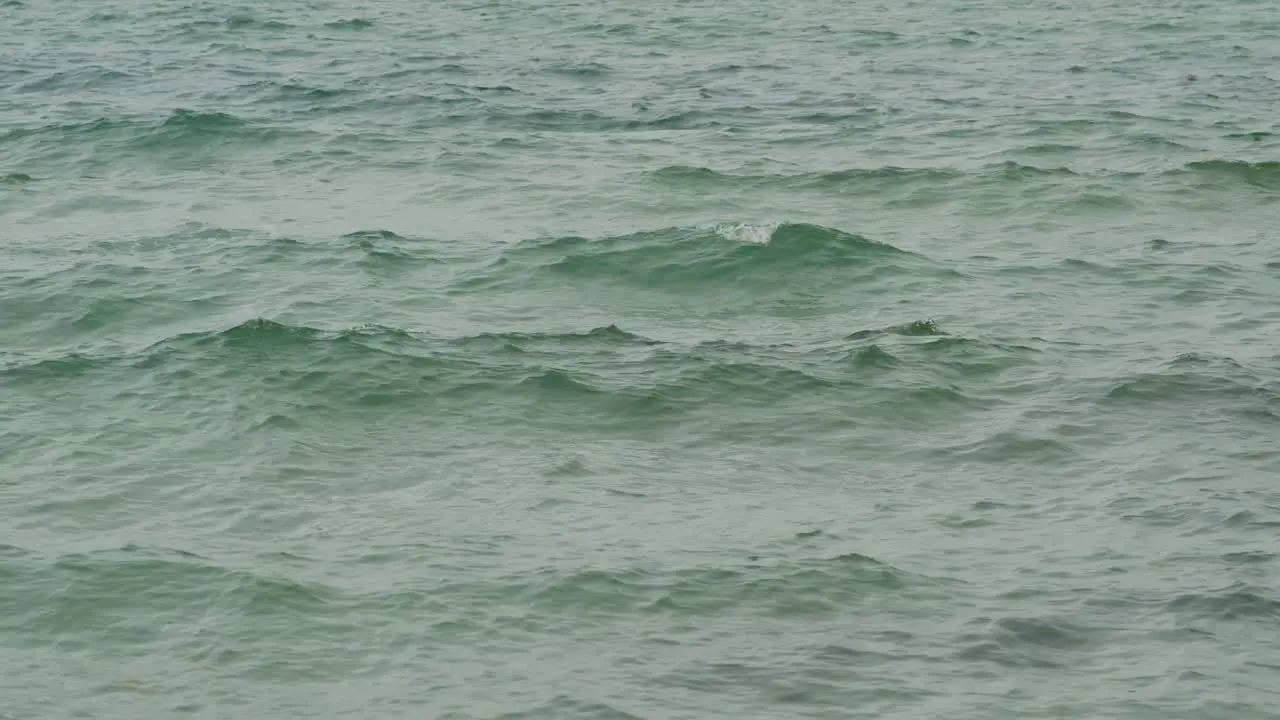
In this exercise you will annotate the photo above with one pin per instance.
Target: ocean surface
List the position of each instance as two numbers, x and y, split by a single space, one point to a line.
691 359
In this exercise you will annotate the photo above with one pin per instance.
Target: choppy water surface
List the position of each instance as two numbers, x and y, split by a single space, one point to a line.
687 359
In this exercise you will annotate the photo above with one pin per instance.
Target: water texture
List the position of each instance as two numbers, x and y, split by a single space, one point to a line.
677 360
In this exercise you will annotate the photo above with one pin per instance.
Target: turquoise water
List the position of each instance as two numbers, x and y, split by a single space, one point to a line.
694 359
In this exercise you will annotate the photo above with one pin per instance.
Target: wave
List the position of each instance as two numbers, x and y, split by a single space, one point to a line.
608 336
83 594
1235 602
562 707
175 135
68 131
702 259
588 121
1005 447
1256 136
94 76
293 91
187 127
384 251
376 365
590 71
264 333
919 328
243 21
860 180
1265 175
606 373
350 24
913 185
1019 171
1193 376
815 586
1042 642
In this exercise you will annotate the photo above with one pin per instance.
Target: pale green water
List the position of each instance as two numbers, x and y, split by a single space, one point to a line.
677 360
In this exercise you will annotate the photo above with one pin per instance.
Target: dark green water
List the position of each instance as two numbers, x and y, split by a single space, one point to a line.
677 360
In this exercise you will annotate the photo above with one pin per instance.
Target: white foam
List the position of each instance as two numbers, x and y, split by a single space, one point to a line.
754 234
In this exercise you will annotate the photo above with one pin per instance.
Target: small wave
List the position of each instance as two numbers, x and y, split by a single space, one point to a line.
1015 170
610 335
184 120
1249 557
57 368
1051 149
84 593
749 383
385 251
294 91
1235 602
563 706
501 89
806 587
367 237
608 28
690 174
257 333
589 121
584 71
727 68
1258 174
1008 446
1191 375
262 334
97 77
1256 136
873 357
66 132
1026 642
607 376
176 135
351 24
881 177
919 184
246 22
918 328
702 258
862 180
